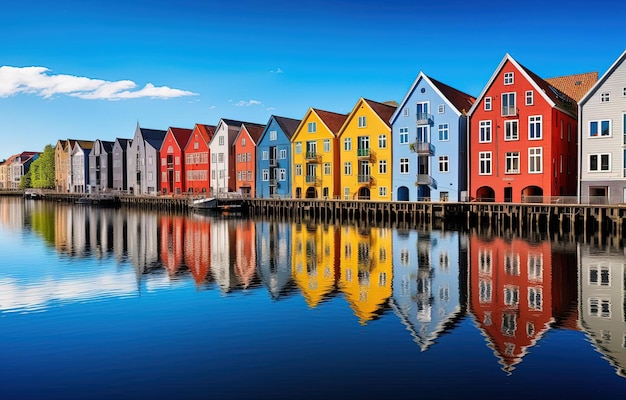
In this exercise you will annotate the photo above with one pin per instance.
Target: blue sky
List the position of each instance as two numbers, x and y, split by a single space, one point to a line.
104 65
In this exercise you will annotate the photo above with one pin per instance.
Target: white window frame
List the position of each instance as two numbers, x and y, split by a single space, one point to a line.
347 168
298 148
484 157
347 144
265 155
533 154
404 135
266 175
404 165
511 106
405 112
311 127
487 105
599 162
444 164
509 134
273 135
326 145
484 128
530 97
441 108
283 154
509 78
362 121
510 158
605 97
382 191
382 167
535 121
599 128
444 132
382 141
298 170
327 169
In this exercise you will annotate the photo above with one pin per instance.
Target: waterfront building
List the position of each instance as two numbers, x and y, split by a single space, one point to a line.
245 260
273 156
222 159
197 247
245 158
4 172
197 156
428 271
172 160
602 130
172 242
120 164
316 155
430 142
365 152
78 179
273 243
101 166
222 241
366 269
522 138
61 157
602 302
19 166
143 161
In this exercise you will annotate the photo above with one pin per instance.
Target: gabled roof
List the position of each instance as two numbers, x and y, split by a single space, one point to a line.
288 125
181 136
231 122
107 145
575 86
123 142
154 137
206 131
603 79
333 121
254 131
553 96
84 144
457 100
384 111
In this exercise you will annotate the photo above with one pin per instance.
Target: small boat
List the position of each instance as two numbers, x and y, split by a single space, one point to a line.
33 194
104 200
207 203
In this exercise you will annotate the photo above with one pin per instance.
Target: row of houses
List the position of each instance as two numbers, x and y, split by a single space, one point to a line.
13 168
523 138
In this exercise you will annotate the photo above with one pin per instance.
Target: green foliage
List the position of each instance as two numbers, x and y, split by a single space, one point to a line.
42 169
25 181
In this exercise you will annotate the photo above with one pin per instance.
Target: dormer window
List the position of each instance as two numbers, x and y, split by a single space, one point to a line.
508 78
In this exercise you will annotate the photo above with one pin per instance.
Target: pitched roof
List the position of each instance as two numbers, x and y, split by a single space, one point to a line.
107 145
604 77
153 136
575 86
123 142
181 135
231 122
561 99
288 125
460 100
84 144
206 131
254 130
384 111
333 121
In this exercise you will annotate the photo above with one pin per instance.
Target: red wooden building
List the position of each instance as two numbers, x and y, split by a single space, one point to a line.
522 138
197 156
172 170
245 158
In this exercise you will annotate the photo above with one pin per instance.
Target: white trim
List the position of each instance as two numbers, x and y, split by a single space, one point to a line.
598 163
602 79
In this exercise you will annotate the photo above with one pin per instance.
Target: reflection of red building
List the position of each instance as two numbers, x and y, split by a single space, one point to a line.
197 234
245 252
172 242
172 166
516 292
197 156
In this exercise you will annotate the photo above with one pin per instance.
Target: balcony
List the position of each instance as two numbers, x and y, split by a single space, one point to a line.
312 156
363 153
364 178
423 118
273 162
311 180
423 148
425 179
273 182
508 111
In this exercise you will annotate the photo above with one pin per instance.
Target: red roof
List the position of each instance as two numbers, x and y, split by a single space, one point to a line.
384 111
181 135
575 86
460 100
333 121
254 130
206 131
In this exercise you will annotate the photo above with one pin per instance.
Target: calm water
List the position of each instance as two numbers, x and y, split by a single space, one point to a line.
98 303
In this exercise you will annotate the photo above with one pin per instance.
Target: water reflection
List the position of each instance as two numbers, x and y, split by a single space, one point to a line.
513 289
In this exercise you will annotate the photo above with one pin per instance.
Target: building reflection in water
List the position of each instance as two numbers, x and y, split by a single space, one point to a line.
273 241
518 291
428 267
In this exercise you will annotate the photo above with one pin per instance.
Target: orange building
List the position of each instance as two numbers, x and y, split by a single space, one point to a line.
245 252
197 156
197 247
245 158
172 161
172 242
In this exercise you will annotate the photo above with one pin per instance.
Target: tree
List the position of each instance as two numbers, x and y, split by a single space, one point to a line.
25 181
42 169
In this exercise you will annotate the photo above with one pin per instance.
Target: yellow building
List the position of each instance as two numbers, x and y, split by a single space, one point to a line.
315 155
314 262
61 160
365 256
365 152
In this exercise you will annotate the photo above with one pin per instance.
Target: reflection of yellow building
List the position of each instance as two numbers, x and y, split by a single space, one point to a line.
366 269
314 261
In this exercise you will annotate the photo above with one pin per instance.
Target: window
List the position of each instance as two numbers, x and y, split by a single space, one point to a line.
382 141
196 145
511 264
508 78
283 154
243 142
485 132
405 111
347 144
312 127
599 162
599 275
266 175
487 104
534 127
511 295
529 97
362 122
221 140
298 169
273 135
382 192
444 164
346 196
326 145
600 128
382 166
404 165
282 174
298 147
510 130
347 168
512 162
265 155
327 170
404 135
605 97
213 158
220 157
444 132
535 160
535 267
508 104
441 108
484 158
624 92
535 295
599 307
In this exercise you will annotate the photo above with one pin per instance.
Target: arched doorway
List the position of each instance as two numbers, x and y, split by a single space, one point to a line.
364 193
403 193
532 194
311 193
423 193
298 193
485 193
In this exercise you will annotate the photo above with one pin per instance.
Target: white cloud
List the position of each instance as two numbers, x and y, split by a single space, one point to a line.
277 71
271 108
243 103
38 81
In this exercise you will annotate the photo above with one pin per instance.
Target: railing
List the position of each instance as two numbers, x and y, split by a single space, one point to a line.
273 162
364 178
311 179
420 147
425 179
273 182
509 110
363 152
423 118
311 155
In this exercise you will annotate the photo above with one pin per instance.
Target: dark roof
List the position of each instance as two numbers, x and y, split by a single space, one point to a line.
108 146
153 136
288 125
333 121
460 100
562 100
384 111
232 122
254 130
123 142
181 135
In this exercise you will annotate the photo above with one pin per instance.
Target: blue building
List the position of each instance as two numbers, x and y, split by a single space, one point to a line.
273 157
429 134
